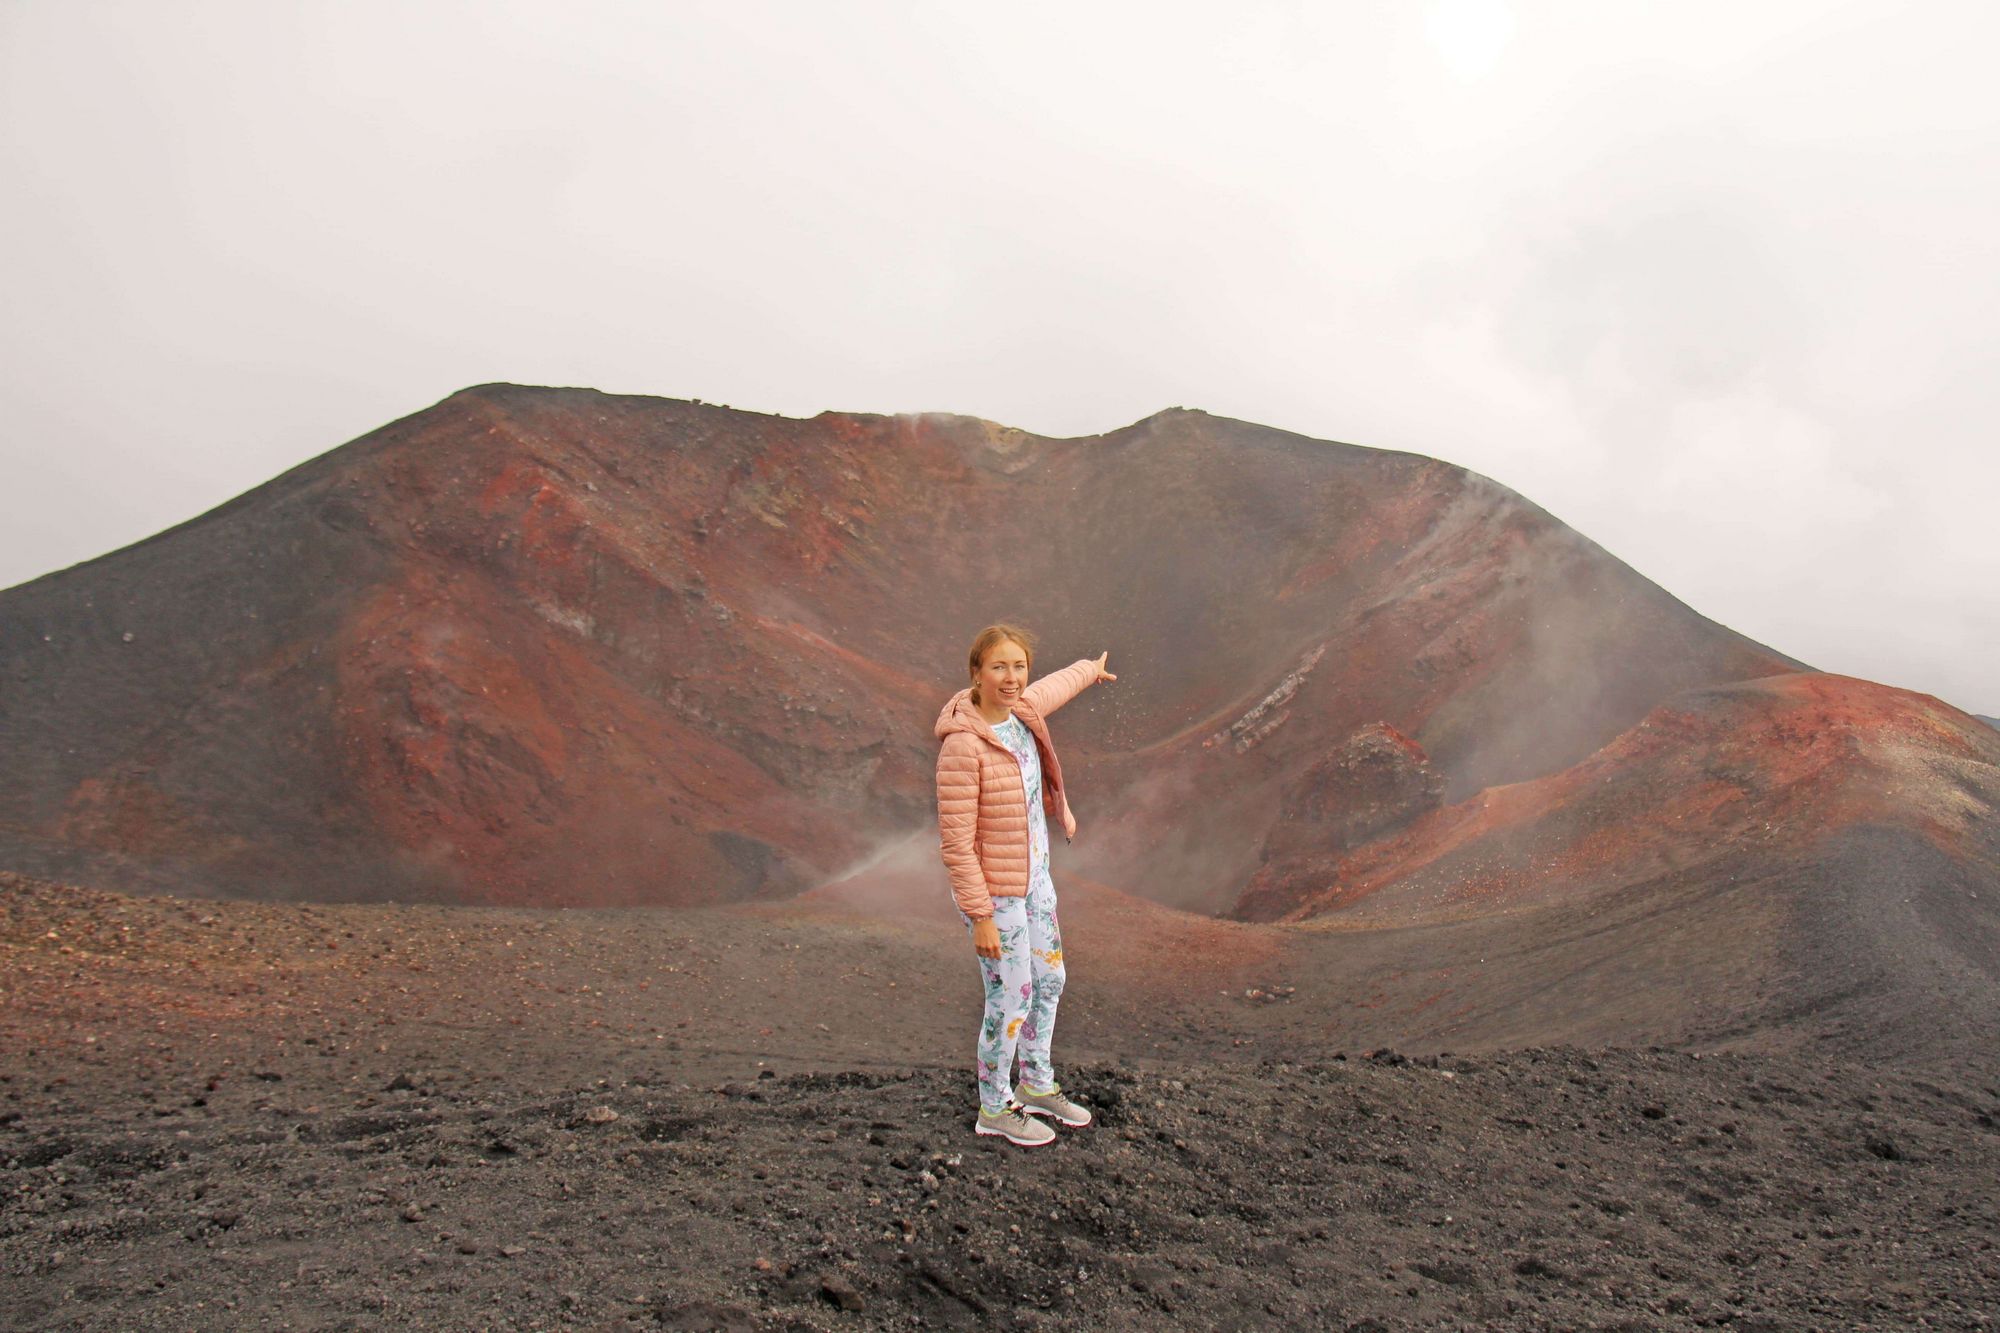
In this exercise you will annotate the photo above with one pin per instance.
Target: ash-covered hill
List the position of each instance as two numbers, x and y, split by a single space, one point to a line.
558 647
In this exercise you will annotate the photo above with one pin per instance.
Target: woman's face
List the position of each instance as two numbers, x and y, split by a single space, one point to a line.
1004 674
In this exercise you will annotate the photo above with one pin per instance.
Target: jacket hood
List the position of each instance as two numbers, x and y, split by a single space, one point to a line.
961 714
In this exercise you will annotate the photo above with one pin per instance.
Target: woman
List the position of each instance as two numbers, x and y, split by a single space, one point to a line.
997 784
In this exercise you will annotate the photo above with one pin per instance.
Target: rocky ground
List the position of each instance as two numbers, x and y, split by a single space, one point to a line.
234 1115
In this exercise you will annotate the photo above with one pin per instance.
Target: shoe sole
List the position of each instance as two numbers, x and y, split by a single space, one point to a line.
1003 1134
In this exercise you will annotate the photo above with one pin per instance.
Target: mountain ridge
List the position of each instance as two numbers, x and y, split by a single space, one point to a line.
557 646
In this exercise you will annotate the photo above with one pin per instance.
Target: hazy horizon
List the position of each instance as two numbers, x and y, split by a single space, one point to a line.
1710 284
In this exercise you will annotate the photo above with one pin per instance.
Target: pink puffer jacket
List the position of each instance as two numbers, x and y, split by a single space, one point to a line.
982 800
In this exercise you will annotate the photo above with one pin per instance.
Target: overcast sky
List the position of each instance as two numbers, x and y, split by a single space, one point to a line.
1715 283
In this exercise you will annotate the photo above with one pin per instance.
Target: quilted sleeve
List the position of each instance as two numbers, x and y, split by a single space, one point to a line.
1052 692
958 817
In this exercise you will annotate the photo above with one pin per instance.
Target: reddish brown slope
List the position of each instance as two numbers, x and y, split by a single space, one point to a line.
1762 770
556 646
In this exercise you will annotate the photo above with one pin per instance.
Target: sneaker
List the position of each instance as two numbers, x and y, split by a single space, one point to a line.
1053 1103
1013 1125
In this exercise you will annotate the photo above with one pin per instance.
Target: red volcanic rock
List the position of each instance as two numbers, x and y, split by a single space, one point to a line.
1721 783
1377 781
553 646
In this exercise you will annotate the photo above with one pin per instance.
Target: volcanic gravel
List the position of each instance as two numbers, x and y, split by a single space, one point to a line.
209 1118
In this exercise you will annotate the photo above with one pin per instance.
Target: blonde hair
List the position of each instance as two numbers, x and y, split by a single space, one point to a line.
985 641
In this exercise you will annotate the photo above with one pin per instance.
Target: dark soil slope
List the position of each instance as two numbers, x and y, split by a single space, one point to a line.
239 1115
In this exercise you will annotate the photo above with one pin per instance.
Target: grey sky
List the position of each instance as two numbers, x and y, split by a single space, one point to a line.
1714 283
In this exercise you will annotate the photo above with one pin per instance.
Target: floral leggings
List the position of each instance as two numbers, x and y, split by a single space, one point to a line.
1022 987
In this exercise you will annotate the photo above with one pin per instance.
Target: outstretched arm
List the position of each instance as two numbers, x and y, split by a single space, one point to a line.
1052 692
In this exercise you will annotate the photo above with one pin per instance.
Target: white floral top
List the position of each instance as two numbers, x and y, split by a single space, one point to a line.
1013 734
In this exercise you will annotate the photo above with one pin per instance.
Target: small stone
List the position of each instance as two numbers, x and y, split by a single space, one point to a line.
840 1291
600 1115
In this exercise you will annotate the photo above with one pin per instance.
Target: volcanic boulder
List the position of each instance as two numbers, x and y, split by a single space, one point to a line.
1376 782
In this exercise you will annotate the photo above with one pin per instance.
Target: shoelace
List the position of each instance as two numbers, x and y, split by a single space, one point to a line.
1016 1108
